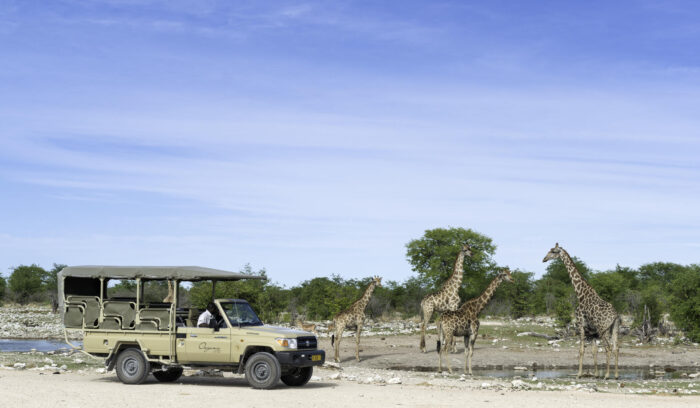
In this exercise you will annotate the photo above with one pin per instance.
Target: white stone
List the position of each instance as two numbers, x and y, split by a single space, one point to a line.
19 366
331 364
485 385
394 380
334 376
520 368
101 370
315 378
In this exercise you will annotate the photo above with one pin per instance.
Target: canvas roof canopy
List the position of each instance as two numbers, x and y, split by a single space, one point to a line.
186 273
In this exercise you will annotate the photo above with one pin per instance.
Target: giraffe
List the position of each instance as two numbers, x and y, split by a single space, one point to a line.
465 322
592 312
169 298
445 299
353 316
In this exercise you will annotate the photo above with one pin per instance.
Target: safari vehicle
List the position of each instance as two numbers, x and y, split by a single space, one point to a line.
138 336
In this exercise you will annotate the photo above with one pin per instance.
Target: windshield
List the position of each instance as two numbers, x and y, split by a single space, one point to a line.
241 314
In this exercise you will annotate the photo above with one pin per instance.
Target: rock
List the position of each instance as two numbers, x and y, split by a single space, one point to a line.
485 385
101 370
334 376
19 366
394 380
520 368
520 385
78 361
331 364
64 367
315 378
694 375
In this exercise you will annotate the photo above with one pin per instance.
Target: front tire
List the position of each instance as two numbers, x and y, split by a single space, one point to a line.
132 366
298 376
168 375
262 371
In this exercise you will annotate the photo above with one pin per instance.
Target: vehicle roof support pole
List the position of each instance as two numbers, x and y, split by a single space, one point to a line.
213 290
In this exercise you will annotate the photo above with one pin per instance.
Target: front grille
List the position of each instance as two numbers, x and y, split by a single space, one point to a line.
307 342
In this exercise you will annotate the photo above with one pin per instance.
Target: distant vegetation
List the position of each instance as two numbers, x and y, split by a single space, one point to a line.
660 286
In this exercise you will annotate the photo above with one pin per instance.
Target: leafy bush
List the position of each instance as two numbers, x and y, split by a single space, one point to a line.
685 305
3 286
26 282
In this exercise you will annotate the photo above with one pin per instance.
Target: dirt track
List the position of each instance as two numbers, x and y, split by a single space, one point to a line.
30 389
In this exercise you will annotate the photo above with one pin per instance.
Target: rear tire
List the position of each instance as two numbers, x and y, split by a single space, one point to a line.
262 371
132 366
168 375
298 376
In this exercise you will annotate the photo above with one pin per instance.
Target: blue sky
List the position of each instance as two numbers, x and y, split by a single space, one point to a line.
311 138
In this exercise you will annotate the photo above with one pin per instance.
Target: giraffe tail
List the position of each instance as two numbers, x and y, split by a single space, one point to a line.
332 339
438 346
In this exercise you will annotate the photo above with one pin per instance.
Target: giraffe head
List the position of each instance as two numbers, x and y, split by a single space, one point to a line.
467 249
553 253
505 275
377 280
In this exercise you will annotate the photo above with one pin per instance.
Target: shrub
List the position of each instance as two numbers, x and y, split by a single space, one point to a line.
685 305
26 282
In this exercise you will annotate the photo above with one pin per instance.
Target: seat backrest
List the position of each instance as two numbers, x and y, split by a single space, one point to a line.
73 316
160 314
91 308
123 309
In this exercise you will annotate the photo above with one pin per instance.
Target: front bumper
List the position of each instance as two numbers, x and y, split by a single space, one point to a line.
301 358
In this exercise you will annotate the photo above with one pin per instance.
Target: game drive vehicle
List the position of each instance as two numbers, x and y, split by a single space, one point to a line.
137 335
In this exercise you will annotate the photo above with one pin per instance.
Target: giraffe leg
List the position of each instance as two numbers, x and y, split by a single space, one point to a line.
466 352
594 349
448 340
357 341
473 332
582 337
338 336
616 344
427 312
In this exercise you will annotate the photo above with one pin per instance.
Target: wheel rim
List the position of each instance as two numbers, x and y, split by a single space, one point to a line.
261 371
130 367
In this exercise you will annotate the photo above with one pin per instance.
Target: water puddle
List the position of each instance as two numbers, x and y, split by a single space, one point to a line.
24 345
558 373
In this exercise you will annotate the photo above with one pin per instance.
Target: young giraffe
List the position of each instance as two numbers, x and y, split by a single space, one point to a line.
465 322
353 316
591 311
445 299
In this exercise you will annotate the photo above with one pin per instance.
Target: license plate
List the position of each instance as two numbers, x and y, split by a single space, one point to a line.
316 357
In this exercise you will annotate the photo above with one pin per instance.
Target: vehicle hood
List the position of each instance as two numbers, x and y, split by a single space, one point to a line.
278 331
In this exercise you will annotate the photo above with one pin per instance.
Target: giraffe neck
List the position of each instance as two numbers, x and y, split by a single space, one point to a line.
455 280
576 279
481 302
362 302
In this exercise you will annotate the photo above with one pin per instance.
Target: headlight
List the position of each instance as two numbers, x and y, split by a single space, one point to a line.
288 343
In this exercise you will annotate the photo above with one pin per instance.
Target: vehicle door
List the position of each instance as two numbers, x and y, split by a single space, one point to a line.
204 345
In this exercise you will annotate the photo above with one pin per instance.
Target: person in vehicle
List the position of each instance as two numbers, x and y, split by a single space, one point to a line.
208 318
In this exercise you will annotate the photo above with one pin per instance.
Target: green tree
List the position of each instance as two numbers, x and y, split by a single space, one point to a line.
50 279
554 287
26 282
433 257
685 305
518 296
612 287
3 286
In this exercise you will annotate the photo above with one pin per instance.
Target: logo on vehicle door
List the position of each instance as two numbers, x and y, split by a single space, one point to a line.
203 346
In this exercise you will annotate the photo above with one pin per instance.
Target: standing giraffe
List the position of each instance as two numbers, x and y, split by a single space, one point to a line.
171 293
465 322
353 316
591 311
445 299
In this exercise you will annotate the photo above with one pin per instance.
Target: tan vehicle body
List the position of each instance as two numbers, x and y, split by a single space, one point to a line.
162 337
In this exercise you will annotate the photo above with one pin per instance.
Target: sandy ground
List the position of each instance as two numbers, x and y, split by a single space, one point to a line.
29 389
402 353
